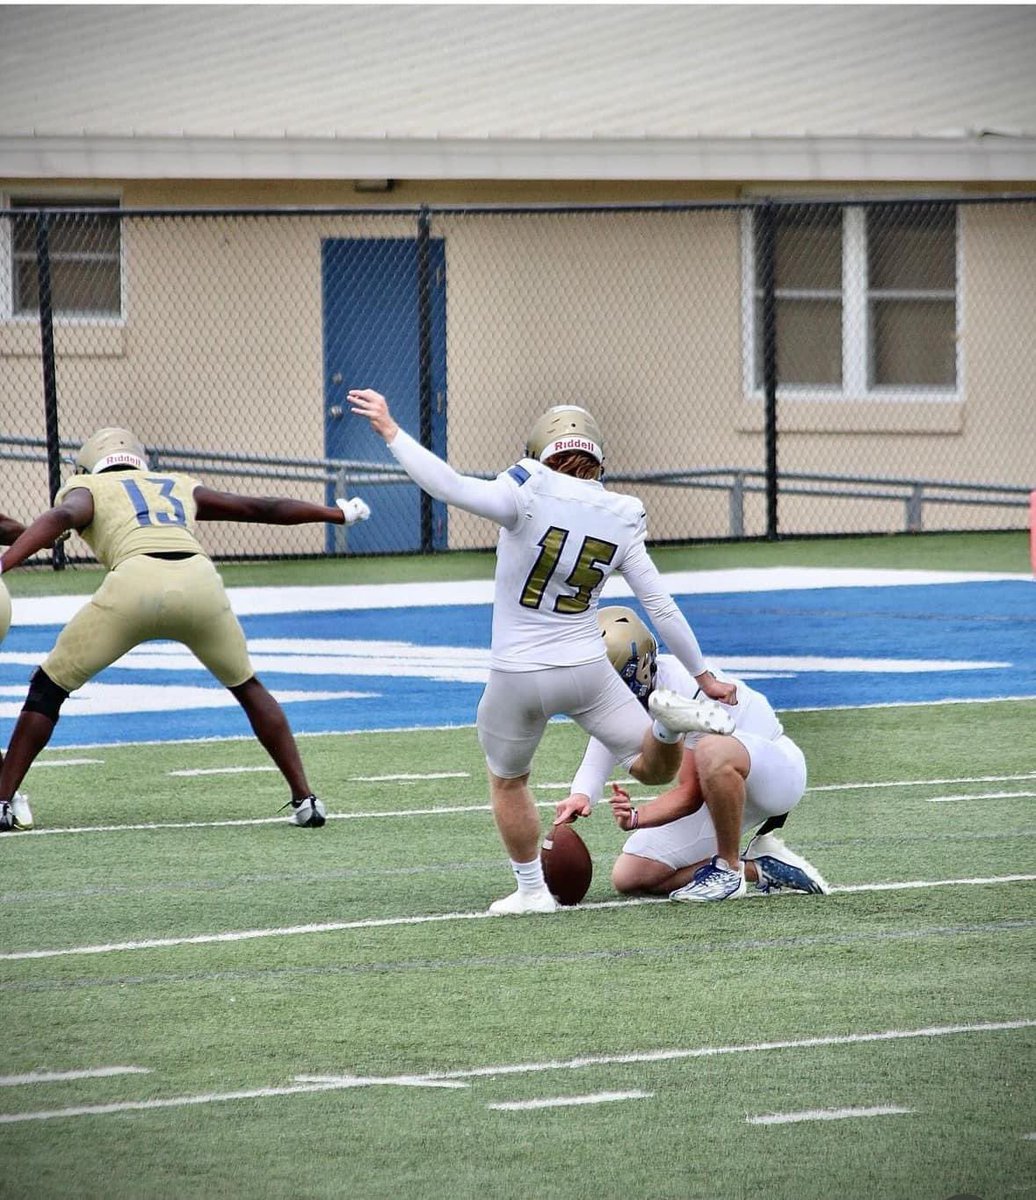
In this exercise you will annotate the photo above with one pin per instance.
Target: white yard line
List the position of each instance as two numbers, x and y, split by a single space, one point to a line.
569 1101
70 762
408 778
219 771
827 1114
65 1076
981 796
310 1083
150 826
351 779
901 783
913 884
242 935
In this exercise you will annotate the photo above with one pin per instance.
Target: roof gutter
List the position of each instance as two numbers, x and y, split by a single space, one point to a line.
813 159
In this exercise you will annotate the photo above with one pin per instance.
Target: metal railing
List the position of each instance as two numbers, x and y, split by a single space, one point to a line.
345 476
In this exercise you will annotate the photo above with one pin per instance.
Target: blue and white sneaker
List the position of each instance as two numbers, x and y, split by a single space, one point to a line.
781 869
714 880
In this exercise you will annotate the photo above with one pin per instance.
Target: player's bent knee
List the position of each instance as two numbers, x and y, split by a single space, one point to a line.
45 697
715 753
632 874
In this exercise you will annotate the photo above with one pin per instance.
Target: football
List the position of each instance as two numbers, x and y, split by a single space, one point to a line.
567 866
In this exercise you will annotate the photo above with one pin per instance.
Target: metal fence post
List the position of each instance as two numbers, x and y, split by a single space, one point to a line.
737 505
766 269
50 378
915 509
424 343
339 536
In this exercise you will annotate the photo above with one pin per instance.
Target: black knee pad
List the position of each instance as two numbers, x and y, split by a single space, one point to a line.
44 695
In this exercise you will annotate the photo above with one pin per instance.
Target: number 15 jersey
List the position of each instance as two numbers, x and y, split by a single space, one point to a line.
560 539
138 512
551 564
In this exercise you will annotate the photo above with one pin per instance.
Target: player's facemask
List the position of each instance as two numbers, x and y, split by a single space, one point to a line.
631 648
564 428
111 447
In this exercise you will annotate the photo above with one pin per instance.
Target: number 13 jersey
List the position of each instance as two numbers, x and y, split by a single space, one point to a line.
138 512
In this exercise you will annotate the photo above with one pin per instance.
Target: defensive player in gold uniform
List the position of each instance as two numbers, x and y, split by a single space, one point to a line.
160 584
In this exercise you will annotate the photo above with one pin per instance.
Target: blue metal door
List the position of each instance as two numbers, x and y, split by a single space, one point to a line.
380 333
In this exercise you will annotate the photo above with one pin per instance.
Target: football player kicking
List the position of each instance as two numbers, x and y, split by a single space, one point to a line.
686 841
562 534
160 584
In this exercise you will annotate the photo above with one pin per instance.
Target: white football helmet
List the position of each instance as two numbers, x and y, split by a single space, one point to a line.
631 648
565 427
111 447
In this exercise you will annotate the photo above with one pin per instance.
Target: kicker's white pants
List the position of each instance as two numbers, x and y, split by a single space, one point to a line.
516 706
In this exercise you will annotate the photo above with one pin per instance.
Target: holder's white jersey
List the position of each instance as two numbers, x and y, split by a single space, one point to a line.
753 715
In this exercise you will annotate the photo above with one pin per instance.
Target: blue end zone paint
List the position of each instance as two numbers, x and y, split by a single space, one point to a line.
993 621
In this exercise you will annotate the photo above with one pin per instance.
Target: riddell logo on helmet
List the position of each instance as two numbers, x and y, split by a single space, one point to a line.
574 443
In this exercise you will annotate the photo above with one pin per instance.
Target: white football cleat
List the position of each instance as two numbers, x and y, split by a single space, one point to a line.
308 812
683 715
15 815
21 813
539 901
781 869
713 880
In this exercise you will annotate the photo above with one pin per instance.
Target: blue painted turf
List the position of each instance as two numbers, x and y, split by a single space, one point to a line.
989 622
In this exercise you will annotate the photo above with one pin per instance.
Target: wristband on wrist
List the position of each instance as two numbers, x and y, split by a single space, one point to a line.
634 819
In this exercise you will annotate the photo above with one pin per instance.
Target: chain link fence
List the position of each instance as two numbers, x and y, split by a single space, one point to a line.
759 369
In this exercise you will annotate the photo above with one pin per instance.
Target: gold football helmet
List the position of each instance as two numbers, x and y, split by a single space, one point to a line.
565 427
631 648
111 447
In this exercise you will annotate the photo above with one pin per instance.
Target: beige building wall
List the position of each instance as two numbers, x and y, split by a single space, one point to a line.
636 316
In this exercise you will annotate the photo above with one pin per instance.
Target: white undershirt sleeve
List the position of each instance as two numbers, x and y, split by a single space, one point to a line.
594 771
642 575
491 498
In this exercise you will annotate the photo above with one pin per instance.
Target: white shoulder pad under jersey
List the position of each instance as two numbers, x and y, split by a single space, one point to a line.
570 535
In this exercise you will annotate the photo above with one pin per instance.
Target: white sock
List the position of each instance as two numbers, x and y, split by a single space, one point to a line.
662 733
529 875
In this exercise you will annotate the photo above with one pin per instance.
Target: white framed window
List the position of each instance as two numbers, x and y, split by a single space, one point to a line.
85 252
867 301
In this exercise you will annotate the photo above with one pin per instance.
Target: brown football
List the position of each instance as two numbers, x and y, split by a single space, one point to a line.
567 865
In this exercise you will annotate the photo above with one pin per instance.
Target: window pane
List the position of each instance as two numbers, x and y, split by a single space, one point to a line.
75 287
912 249
809 249
83 235
913 342
809 342
85 269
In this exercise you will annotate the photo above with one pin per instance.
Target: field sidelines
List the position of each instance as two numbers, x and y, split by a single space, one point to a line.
330 1083
243 935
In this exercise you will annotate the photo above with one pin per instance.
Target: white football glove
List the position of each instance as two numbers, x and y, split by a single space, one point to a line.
354 509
